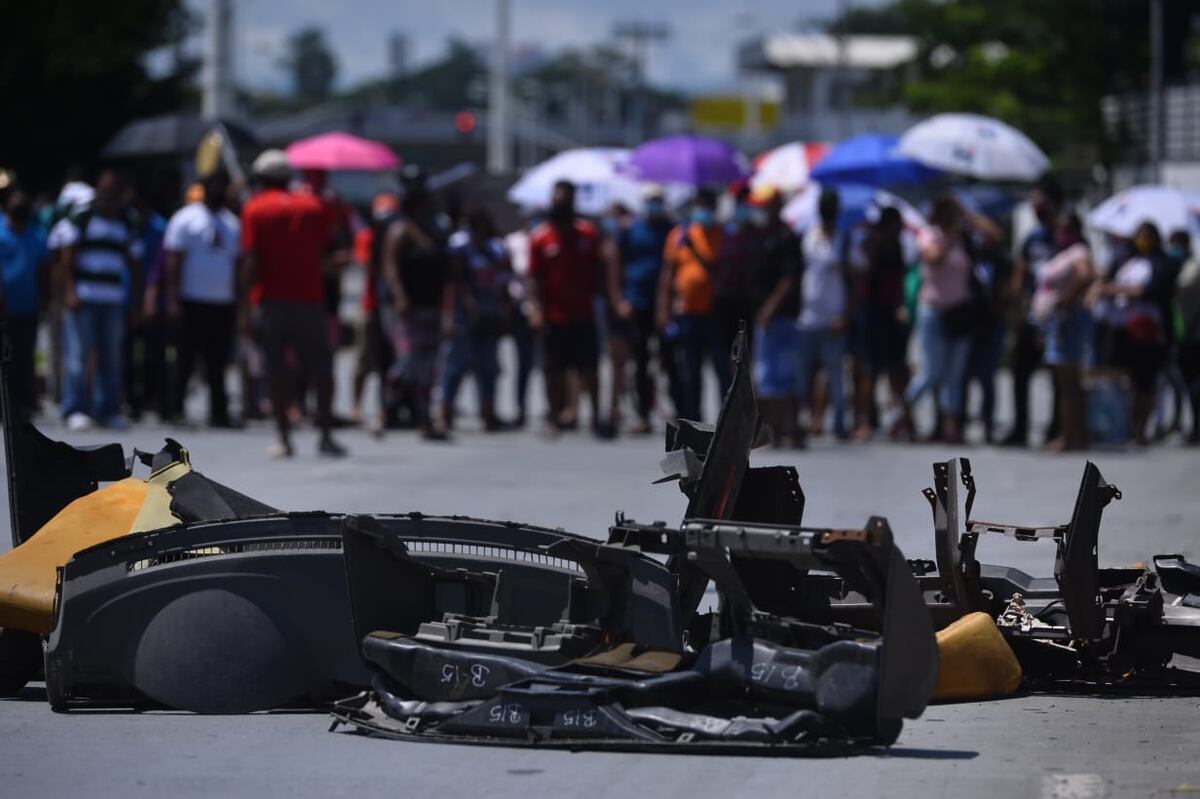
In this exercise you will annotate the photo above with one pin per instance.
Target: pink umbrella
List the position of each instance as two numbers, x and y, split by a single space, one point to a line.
341 151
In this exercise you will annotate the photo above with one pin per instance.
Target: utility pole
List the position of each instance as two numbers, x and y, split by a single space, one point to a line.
217 99
1155 123
843 82
499 143
640 35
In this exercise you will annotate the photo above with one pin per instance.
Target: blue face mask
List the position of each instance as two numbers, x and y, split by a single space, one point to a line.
703 216
655 208
1177 251
743 214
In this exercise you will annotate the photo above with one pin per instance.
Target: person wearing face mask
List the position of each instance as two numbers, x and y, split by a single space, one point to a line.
481 274
741 248
1187 299
686 302
823 307
1058 307
1135 305
1039 247
23 255
775 282
634 259
565 276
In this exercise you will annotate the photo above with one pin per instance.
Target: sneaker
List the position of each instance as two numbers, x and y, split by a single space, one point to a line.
328 448
280 451
78 422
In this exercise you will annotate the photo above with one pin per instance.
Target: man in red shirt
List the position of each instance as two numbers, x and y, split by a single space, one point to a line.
284 235
564 273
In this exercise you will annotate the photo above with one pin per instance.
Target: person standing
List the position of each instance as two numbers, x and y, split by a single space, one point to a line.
823 305
1058 305
284 234
23 254
740 250
686 302
481 304
101 269
416 270
1028 348
564 278
374 351
634 261
1133 305
883 323
944 316
775 289
202 245
1187 297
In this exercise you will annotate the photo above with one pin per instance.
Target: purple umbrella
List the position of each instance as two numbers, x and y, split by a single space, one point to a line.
693 160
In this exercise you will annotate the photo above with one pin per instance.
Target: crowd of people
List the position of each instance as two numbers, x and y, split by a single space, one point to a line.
249 275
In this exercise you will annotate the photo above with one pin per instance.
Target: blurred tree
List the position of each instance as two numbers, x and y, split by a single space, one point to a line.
311 64
73 71
1042 65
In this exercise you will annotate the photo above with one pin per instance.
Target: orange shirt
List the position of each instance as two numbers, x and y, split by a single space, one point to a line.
693 282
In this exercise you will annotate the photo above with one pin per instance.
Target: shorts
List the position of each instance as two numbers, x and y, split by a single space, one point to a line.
880 339
1066 335
370 344
416 341
1142 359
299 328
571 345
776 369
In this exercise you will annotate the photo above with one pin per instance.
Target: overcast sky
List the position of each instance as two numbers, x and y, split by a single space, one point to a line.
699 54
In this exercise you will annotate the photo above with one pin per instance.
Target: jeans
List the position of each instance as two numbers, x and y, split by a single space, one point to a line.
698 337
473 348
943 362
98 327
827 348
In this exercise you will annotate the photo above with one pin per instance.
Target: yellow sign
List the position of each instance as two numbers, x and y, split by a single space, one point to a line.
732 111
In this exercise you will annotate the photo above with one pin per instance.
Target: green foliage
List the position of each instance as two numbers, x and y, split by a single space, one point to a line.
312 65
72 72
1041 65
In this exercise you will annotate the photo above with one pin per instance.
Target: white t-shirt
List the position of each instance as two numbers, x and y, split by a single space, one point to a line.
822 288
101 265
209 244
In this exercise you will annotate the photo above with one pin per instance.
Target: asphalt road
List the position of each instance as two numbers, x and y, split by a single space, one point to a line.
1028 746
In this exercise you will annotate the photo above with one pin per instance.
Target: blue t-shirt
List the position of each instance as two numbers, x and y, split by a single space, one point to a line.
1039 247
642 245
20 254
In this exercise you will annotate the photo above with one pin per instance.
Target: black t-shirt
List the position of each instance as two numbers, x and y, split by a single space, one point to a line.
779 256
424 267
886 269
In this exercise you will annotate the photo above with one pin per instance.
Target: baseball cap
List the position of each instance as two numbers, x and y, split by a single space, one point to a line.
272 164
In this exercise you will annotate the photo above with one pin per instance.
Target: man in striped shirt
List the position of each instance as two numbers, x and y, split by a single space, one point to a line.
100 271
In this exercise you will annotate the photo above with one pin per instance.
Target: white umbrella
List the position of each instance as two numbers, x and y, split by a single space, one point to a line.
601 177
1168 208
786 167
858 203
976 146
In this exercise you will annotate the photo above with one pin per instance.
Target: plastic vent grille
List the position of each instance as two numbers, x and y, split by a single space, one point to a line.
274 545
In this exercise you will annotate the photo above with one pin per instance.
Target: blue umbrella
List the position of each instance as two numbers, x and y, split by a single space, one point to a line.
870 159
